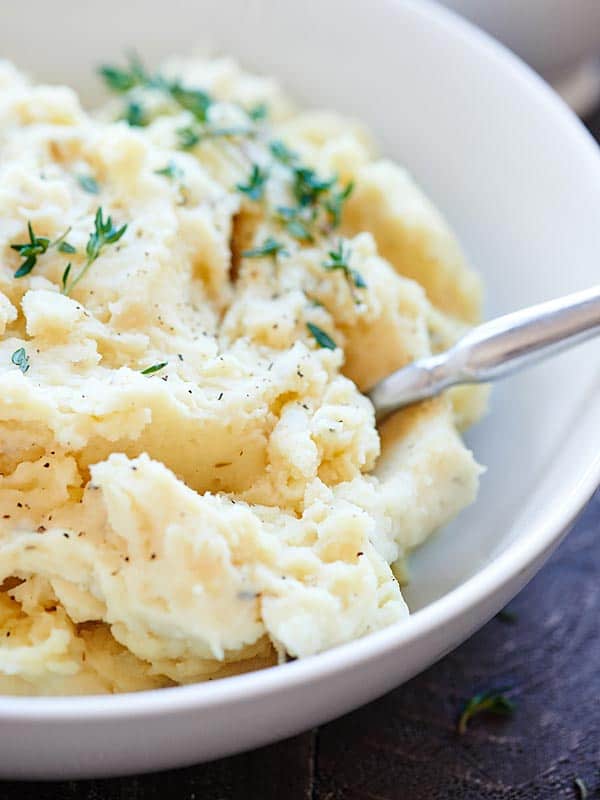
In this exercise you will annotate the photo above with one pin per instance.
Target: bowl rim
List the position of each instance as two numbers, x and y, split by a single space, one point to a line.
519 556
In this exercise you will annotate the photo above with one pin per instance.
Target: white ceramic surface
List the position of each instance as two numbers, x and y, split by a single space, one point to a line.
554 36
519 179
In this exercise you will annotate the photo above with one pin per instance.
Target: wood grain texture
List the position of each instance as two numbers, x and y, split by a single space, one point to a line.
405 746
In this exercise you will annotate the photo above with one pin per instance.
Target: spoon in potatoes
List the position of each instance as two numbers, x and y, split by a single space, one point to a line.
493 350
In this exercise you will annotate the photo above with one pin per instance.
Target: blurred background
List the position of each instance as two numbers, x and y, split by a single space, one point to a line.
560 39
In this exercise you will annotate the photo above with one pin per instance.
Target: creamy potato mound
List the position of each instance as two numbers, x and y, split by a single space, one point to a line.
192 484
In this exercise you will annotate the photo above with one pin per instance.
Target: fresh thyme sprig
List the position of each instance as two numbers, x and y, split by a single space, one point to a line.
189 136
104 233
20 359
37 246
123 80
270 247
255 185
322 338
334 204
196 101
492 701
340 259
296 222
154 368
308 186
311 192
282 153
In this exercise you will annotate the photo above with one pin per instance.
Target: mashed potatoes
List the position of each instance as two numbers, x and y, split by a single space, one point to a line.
197 283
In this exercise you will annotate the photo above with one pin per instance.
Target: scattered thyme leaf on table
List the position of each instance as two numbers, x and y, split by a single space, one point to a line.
334 204
492 701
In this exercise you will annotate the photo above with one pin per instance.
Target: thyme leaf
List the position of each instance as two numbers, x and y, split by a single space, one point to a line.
20 359
340 259
492 701
88 184
171 171
37 246
258 112
154 368
255 185
322 338
270 247
104 234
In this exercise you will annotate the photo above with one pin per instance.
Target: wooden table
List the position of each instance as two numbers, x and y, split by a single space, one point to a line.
405 746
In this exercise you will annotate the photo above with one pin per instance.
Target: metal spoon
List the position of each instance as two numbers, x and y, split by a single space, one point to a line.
495 349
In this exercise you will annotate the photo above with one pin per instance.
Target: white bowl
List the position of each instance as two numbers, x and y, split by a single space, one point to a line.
519 178
558 38
554 36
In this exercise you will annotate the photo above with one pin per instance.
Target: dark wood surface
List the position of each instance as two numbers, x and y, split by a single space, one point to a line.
405 746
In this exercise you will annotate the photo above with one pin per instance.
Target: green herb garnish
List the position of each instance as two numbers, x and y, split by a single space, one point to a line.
308 186
282 153
62 245
582 789
37 246
30 251
340 259
135 115
490 702
190 136
123 80
171 171
335 203
65 278
20 359
255 185
270 247
321 338
154 368
104 233
258 112
295 225
88 184
195 101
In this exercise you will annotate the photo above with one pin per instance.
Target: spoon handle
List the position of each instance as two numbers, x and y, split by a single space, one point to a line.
495 349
